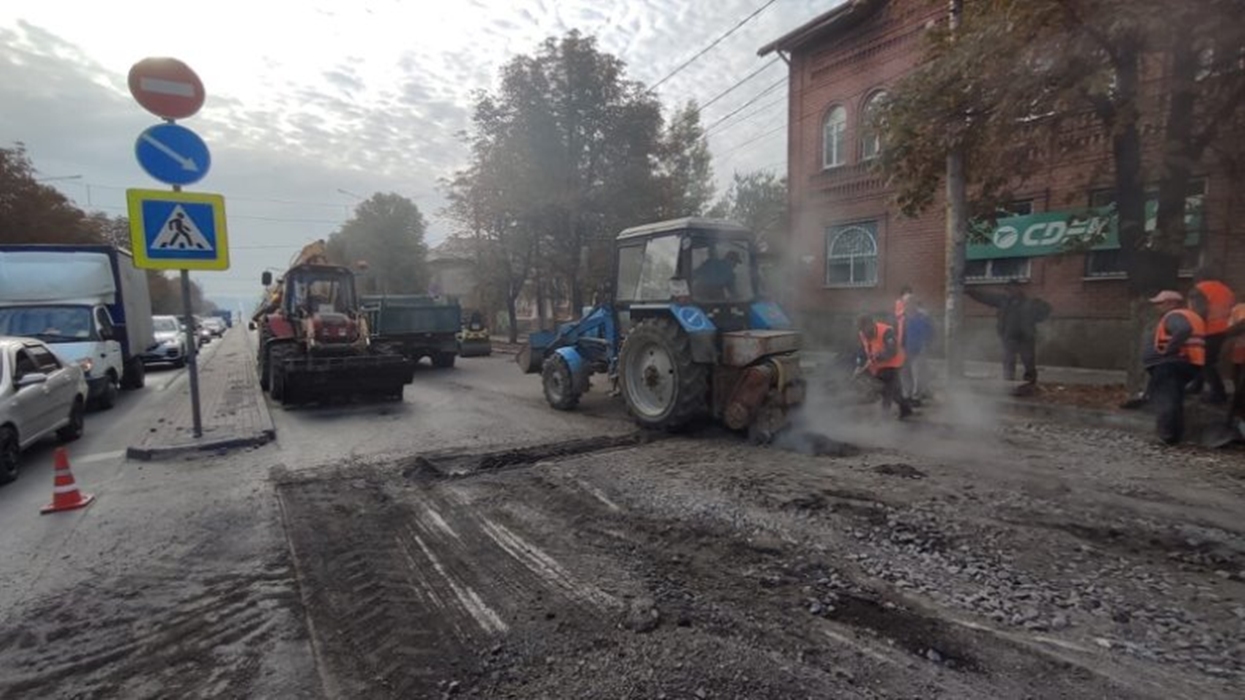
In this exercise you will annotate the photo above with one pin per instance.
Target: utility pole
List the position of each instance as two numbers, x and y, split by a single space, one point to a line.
957 242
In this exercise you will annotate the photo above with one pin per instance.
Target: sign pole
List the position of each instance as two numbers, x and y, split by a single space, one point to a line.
192 348
189 231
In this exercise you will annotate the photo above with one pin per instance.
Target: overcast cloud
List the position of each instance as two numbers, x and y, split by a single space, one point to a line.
306 99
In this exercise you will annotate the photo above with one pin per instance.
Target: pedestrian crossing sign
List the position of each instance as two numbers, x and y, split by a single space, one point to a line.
178 230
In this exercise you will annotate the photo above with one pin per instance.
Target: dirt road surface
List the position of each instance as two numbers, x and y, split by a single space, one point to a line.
471 542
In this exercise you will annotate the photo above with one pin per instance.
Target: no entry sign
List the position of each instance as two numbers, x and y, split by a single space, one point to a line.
166 87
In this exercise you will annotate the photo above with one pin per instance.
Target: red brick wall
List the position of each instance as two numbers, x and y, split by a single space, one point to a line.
847 69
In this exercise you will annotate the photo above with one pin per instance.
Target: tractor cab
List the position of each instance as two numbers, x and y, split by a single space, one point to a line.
319 301
705 264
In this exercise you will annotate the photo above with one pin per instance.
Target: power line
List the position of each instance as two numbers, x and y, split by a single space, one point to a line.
763 93
754 113
714 43
248 217
730 89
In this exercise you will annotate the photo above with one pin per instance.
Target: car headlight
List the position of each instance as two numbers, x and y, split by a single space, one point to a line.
87 364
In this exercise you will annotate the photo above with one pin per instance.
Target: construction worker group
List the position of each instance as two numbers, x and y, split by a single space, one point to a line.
1181 356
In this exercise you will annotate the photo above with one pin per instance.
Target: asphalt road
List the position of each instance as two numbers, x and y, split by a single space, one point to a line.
97 459
470 540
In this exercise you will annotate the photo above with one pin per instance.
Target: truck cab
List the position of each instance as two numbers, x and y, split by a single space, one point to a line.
80 334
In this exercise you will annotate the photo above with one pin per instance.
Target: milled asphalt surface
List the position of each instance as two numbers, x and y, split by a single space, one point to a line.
180 580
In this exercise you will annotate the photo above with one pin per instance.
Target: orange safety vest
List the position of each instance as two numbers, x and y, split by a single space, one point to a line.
1219 302
1194 349
1238 343
875 347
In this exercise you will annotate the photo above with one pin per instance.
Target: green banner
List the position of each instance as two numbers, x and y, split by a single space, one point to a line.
1055 232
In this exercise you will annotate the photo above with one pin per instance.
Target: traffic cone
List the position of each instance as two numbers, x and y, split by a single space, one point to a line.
65 493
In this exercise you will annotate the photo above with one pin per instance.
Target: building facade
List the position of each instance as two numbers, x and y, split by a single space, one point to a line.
853 251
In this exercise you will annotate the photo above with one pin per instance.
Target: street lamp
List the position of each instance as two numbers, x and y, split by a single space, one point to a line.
351 194
58 177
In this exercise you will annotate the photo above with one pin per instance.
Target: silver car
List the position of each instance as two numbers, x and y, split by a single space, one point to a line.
39 395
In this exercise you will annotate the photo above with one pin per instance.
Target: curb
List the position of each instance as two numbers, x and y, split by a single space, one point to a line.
267 433
148 454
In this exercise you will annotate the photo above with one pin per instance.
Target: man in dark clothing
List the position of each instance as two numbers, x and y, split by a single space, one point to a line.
1173 355
918 335
1018 317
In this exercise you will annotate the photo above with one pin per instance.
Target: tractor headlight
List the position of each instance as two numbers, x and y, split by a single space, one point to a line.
87 364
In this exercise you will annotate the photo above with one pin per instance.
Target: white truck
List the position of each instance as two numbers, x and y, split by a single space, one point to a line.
87 302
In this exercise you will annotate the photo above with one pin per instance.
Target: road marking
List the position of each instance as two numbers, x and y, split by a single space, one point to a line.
99 457
166 87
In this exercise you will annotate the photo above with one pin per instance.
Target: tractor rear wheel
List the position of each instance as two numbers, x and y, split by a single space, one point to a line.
559 384
663 387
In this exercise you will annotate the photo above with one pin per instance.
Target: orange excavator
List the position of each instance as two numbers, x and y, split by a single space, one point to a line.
314 342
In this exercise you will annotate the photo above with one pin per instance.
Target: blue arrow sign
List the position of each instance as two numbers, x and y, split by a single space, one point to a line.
173 154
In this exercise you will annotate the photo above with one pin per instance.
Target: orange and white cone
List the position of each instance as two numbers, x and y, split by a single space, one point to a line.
65 493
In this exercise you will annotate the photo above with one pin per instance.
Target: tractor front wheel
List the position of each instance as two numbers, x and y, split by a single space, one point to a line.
663 387
560 389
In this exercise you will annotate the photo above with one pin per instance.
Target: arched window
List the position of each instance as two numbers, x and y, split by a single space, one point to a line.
870 138
852 255
832 134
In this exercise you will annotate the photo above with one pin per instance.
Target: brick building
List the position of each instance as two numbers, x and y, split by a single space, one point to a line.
853 251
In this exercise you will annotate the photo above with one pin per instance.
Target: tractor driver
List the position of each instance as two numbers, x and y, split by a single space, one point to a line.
714 280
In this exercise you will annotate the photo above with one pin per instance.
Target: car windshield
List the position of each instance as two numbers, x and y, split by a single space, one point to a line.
164 324
51 324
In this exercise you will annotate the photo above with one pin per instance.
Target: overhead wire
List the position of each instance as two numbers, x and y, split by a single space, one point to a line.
712 44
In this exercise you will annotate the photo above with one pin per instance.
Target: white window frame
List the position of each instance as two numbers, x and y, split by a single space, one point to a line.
871 137
991 278
836 232
834 138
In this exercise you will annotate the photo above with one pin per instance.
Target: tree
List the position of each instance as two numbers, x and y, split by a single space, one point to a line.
758 200
1124 69
565 154
685 171
31 212
386 232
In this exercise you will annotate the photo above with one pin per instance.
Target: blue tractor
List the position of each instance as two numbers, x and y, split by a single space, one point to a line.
682 334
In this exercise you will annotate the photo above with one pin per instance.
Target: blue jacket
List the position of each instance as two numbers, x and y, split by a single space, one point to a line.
918 333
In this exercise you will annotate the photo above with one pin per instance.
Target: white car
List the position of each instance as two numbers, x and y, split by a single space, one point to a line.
39 396
171 344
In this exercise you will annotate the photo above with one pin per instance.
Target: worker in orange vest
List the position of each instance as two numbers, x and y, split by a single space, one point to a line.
1213 301
1173 357
879 344
1236 337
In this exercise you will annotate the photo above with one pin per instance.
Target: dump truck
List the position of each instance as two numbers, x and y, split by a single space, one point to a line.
415 325
88 303
682 333
314 341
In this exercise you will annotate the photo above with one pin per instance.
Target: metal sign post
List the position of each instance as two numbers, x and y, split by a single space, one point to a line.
177 231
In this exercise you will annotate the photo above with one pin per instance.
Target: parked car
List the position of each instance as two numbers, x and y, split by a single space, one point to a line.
202 334
39 395
171 344
216 325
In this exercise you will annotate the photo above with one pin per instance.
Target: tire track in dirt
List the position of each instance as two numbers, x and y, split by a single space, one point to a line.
103 639
403 594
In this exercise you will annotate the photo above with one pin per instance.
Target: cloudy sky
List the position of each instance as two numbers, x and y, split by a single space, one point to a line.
314 104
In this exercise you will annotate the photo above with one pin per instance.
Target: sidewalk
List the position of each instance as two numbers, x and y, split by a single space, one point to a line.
234 412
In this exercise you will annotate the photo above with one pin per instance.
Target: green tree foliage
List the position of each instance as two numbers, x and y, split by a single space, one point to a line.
386 232
31 212
566 153
685 172
1025 81
758 200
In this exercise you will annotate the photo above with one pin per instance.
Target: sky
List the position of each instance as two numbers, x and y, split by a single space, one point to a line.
314 105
